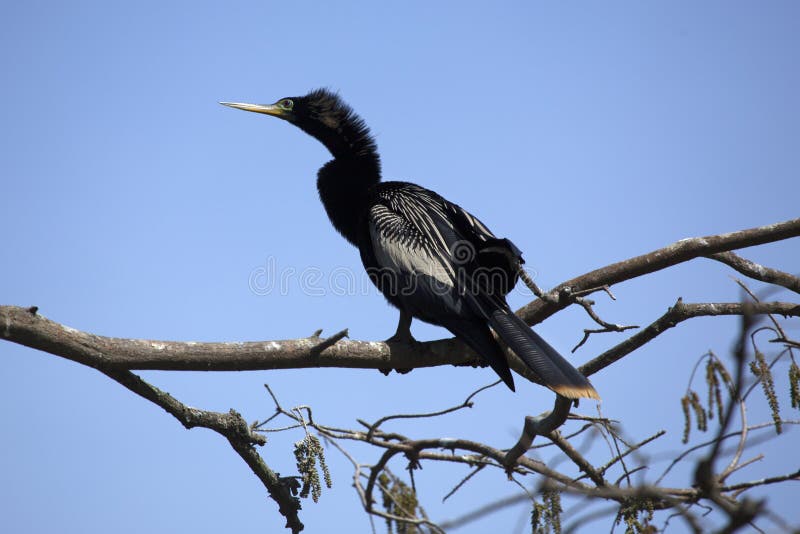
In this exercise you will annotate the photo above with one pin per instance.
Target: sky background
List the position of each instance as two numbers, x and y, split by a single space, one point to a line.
133 205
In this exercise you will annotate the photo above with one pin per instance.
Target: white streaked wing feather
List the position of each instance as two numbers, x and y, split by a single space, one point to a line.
402 247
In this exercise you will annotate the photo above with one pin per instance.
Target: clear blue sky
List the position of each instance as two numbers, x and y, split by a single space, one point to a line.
133 205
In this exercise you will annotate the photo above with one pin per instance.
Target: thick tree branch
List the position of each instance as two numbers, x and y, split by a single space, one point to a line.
233 427
19 325
684 250
26 327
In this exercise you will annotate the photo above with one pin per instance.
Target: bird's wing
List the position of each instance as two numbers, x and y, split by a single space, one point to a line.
408 238
416 232
498 258
468 223
440 249
415 243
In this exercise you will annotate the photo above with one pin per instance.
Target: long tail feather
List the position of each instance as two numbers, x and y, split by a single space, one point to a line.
556 372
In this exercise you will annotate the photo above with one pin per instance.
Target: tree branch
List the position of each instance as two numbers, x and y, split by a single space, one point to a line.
233 427
22 326
680 251
758 272
26 327
679 313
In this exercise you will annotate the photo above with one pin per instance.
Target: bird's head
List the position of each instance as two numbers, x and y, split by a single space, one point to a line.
323 115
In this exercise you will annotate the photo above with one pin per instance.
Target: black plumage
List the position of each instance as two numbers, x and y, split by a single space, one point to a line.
429 257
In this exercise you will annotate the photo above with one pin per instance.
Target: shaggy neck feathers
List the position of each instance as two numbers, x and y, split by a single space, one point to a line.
330 120
344 182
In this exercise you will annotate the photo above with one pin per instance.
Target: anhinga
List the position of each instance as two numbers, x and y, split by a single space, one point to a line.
430 258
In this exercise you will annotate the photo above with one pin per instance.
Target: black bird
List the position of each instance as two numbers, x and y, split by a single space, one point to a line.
430 258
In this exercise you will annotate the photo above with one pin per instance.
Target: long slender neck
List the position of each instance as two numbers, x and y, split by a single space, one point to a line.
344 184
345 181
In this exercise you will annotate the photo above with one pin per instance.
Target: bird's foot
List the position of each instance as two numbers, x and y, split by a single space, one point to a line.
402 337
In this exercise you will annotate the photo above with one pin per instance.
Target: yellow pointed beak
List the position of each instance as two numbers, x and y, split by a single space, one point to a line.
267 109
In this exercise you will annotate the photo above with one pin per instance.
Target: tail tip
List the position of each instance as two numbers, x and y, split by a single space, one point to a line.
585 391
508 380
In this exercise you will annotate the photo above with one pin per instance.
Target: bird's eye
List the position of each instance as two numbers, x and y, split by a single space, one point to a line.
286 104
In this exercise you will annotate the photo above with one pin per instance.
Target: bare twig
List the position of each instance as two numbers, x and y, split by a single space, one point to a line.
631 449
466 404
578 459
463 481
587 304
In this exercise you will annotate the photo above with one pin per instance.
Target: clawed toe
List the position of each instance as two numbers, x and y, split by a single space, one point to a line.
404 339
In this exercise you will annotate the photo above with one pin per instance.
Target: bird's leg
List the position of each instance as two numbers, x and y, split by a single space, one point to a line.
403 333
